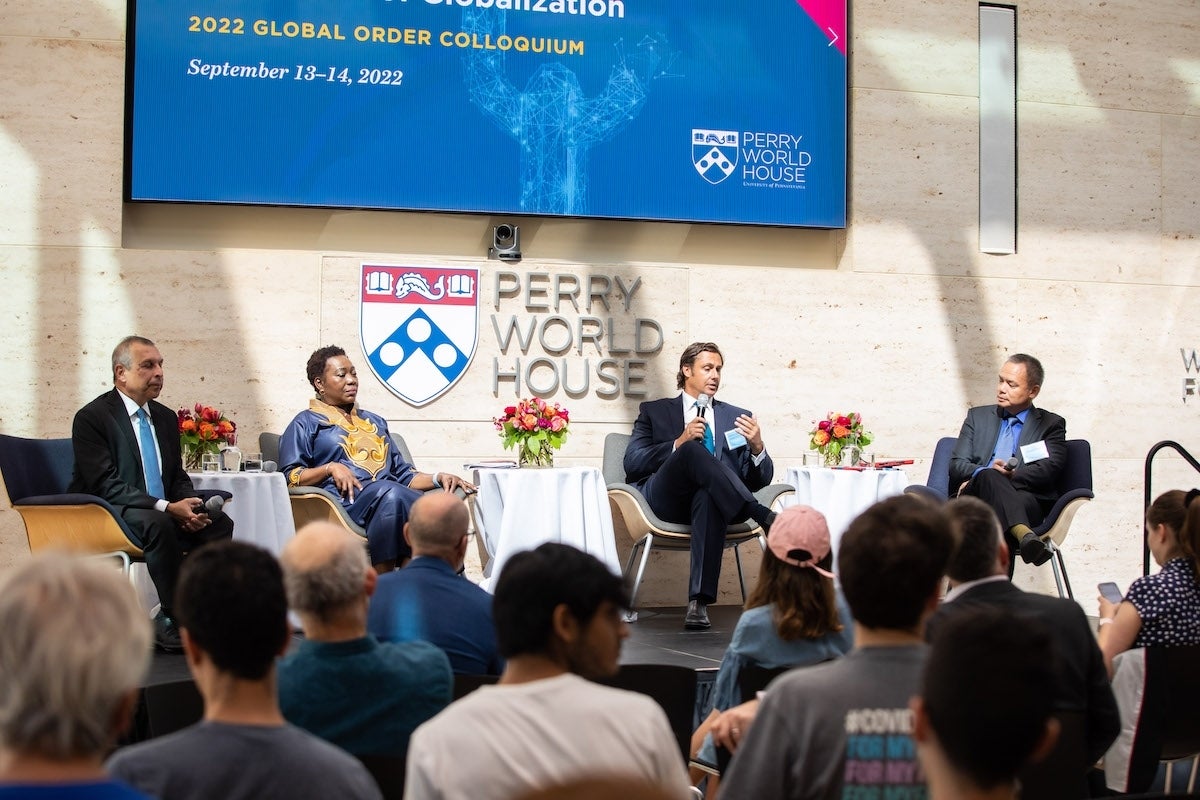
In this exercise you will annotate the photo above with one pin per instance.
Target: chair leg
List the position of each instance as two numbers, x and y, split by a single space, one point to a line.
737 557
637 581
1062 567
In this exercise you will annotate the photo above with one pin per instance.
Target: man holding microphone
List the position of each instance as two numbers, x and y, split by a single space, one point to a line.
697 461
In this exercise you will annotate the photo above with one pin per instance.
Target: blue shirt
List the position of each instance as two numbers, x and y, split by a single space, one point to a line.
429 601
1017 423
364 696
755 641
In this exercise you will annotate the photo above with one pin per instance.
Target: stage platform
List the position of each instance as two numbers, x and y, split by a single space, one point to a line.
657 637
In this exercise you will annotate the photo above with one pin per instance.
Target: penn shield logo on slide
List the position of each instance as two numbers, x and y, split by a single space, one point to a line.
714 153
419 327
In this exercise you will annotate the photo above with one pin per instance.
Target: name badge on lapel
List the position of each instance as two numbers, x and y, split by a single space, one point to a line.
1035 451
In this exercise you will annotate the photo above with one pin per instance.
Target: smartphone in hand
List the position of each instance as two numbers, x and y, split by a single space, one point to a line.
1110 592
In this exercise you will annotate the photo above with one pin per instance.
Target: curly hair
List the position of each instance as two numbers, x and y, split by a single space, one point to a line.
318 360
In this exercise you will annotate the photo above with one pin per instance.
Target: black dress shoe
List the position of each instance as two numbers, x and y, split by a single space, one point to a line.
696 618
166 634
1034 550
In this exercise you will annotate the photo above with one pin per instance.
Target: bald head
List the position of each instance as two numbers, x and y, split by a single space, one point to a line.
325 571
437 526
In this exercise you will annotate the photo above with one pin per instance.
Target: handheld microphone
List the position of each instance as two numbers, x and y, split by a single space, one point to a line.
1012 464
213 505
703 401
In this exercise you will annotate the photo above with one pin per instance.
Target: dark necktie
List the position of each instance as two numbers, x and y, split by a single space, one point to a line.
154 484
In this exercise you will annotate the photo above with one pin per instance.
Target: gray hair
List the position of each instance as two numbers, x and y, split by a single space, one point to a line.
326 588
73 644
121 353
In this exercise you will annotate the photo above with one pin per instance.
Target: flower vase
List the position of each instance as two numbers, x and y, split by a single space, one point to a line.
832 458
851 455
542 457
191 458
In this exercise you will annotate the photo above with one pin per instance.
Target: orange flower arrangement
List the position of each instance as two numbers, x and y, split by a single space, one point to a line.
203 429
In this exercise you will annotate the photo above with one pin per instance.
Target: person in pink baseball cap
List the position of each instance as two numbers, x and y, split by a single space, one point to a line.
795 615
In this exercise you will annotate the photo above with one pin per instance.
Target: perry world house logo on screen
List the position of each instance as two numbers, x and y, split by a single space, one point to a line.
419 327
714 153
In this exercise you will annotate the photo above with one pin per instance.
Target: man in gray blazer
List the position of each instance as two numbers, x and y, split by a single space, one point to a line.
1010 455
142 476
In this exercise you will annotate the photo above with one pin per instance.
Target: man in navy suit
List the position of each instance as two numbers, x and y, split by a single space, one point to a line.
142 476
700 468
1010 455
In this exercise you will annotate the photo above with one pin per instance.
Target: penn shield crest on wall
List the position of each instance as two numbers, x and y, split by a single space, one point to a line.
419 327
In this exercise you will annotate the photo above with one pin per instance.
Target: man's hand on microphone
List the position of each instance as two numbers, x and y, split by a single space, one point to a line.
1002 465
693 430
188 514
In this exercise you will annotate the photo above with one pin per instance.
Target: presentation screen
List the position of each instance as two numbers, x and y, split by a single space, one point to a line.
676 110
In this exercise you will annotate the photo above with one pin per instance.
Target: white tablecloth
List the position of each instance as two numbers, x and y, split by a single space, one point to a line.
519 509
260 509
842 494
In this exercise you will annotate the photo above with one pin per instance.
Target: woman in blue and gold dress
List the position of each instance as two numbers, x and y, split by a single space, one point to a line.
346 450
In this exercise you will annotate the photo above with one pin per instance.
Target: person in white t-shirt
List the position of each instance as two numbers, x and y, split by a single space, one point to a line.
558 621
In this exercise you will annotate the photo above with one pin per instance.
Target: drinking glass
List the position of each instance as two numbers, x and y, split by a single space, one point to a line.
210 462
252 462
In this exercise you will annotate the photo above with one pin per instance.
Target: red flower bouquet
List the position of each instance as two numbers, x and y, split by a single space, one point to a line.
536 428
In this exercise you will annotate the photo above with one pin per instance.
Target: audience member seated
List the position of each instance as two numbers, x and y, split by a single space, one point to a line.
794 616
984 711
429 599
74 647
1010 455
843 729
1160 610
978 578
233 620
348 451
340 683
558 615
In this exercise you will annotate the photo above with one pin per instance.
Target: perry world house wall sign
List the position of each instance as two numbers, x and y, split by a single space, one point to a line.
419 329
576 332
1191 373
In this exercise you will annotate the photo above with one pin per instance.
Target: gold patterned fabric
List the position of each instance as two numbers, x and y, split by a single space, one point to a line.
360 439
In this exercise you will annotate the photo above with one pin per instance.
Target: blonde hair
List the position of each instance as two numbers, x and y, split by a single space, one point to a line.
73 644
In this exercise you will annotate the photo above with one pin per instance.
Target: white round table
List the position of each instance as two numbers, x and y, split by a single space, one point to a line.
842 494
519 509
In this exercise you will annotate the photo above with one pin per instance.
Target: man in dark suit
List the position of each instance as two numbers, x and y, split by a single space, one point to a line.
700 468
1011 454
977 578
127 451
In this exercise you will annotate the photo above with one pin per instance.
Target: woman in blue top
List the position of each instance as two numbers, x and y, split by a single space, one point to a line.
794 616
348 451
1161 610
